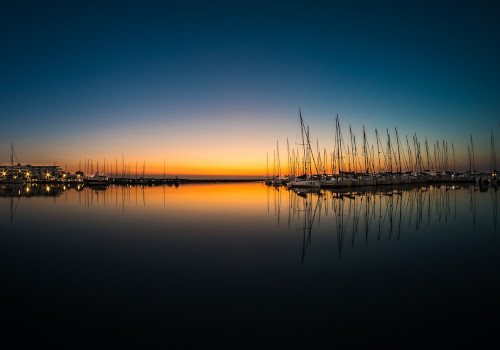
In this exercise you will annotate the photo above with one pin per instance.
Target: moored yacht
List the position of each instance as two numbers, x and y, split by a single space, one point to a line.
306 183
96 179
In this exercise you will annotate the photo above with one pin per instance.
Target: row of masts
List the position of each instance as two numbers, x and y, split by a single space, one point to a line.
111 168
395 156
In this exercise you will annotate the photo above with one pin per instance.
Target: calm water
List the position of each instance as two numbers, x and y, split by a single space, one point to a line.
243 265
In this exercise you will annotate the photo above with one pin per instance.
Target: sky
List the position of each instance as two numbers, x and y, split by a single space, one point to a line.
212 86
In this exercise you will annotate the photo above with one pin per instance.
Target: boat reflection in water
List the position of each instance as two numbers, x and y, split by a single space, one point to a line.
358 217
249 264
35 190
17 191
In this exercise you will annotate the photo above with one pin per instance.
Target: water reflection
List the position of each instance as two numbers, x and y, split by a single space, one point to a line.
186 199
17 191
355 216
35 190
213 261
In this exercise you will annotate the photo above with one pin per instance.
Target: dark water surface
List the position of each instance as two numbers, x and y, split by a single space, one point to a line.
243 265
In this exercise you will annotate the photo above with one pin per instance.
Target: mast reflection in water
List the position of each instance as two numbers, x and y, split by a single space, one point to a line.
245 265
380 213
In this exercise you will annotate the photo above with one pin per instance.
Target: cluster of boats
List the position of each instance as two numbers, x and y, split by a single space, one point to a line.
379 179
391 164
18 174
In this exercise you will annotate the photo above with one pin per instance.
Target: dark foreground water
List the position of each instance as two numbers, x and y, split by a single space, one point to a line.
243 265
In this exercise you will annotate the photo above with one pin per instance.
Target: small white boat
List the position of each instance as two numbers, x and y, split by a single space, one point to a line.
96 179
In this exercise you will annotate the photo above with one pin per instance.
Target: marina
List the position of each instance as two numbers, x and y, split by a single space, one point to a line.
249 174
344 167
17 174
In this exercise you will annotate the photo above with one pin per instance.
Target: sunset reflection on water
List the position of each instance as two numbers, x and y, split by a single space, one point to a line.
195 259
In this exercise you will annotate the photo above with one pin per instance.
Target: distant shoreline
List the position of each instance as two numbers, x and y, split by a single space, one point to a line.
148 181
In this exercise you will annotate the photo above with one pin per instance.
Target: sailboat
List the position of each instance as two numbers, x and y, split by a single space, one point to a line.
13 176
97 178
306 180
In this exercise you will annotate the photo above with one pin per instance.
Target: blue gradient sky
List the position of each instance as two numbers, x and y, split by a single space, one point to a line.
221 82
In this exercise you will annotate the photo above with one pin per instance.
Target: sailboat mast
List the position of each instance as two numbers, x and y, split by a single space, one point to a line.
470 160
389 151
355 157
274 163
378 149
339 145
288 156
472 150
320 166
279 163
310 152
399 149
435 158
351 150
372 160
493 162
410 155
303 143
365 152
445 157
325 159
419 163
12 154
439 157
454 162
427 150
267 165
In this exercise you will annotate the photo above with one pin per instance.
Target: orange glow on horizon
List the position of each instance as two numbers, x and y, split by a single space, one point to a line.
231 146
239 169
